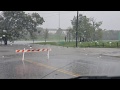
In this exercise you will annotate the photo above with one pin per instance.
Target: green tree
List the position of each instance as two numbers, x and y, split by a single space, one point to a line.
16 22
86 28
32 21
99 34
33 36
95 28
59 33
110 34
39 29
69 34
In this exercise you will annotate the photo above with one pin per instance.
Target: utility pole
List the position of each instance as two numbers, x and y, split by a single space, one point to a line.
59 25
59 20
77 29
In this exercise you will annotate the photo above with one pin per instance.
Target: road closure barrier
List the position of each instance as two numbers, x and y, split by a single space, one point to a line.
33 50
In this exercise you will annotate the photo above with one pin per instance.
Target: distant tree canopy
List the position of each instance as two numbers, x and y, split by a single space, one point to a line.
88 28
59 32
111 35
18 23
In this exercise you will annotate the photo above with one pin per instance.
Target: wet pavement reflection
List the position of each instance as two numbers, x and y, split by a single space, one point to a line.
64 63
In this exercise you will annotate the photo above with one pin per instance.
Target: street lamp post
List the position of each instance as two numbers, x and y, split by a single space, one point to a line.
77 30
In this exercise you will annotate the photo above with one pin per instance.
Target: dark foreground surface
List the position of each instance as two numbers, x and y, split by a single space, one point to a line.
64 63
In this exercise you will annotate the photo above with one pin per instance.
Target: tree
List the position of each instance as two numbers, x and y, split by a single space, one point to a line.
59 33
110 34
98 34
33 36
83 27
69 33
13 23
16 22
33 20
39 29
95 27
86 28
40 32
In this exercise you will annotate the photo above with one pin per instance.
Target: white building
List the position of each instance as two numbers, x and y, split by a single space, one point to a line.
53 31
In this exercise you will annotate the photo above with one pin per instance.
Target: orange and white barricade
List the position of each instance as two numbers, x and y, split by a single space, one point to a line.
33 50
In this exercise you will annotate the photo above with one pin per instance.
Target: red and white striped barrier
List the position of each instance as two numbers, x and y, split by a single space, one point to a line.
33 50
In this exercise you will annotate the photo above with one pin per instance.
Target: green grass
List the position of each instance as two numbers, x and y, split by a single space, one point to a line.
100 44
65 44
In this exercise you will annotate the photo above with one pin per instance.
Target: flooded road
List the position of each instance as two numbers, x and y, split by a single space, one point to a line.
64 63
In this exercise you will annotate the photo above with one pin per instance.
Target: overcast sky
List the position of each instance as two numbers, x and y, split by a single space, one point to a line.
111 19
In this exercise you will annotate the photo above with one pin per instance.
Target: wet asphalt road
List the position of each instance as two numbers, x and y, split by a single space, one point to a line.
64 63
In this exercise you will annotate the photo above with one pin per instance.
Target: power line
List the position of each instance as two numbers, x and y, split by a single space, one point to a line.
59 19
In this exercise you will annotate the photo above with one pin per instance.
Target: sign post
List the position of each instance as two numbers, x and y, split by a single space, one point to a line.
23 55
48 54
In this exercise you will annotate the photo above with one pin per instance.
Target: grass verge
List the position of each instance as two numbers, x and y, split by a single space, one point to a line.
100 44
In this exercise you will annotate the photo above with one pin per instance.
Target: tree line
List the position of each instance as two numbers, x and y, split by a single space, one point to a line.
111 35
89 30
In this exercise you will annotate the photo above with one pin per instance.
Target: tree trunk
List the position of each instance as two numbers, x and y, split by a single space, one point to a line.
45 41
65 38
80 39
5 42
1 42
33 41
69 38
